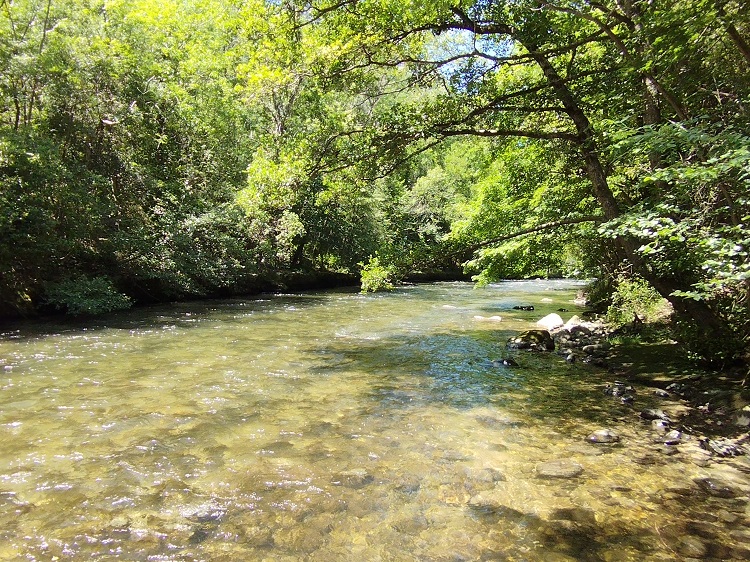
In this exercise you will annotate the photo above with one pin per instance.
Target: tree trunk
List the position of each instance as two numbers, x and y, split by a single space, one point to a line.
698 312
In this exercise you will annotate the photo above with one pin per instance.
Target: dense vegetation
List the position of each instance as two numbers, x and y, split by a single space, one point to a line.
154 149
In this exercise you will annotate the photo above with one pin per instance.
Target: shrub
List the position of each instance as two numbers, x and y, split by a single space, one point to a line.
376 277
84 295
635 298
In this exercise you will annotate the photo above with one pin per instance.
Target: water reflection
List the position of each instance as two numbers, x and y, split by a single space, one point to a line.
331 426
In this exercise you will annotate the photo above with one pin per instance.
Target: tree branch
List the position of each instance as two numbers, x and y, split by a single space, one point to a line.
625 52
532 230
550 135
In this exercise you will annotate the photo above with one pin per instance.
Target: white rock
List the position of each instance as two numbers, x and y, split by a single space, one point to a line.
551 321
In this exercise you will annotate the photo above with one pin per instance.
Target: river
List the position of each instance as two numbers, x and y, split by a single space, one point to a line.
335 426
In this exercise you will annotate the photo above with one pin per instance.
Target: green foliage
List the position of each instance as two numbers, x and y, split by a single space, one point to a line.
86 296
376 277
194 148
634 300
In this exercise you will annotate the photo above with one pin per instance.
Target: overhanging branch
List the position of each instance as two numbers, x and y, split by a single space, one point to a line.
531 230
542 135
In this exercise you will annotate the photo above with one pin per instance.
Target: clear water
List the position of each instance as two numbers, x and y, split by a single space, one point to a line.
333 426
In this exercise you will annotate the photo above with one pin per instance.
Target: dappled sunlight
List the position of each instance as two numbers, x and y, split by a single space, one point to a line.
327 427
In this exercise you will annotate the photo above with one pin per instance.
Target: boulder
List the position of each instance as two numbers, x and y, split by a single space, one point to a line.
532 339
551 321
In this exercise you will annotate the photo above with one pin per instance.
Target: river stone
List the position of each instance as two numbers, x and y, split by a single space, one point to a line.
715 488
551 321
692 547
585 449
603 436
558 469
205 513
674 437
576 514
532 339
740 535
355 478
655 414
596 348
408 484
411 524
487 475
495 502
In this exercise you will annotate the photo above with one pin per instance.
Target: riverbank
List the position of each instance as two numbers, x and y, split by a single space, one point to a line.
674 393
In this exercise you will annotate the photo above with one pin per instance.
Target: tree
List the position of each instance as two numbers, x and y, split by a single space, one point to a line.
566 73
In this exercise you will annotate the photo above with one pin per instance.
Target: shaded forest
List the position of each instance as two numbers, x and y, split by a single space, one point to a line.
174 149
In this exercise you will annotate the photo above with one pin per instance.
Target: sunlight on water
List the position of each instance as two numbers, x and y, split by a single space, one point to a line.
327 426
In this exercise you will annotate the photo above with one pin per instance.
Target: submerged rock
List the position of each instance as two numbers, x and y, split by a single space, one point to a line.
715 488
726 447
603 436
507 362
692 547
488 475
575 514
355 478
532 339
558 469
655 414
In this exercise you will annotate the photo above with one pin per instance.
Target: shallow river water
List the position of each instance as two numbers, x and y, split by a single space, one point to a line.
335 426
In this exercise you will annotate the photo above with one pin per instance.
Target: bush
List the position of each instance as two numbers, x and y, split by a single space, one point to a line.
376 277
635 300
83 296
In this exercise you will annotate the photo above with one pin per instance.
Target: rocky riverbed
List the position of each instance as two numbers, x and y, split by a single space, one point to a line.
673 411
655 380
